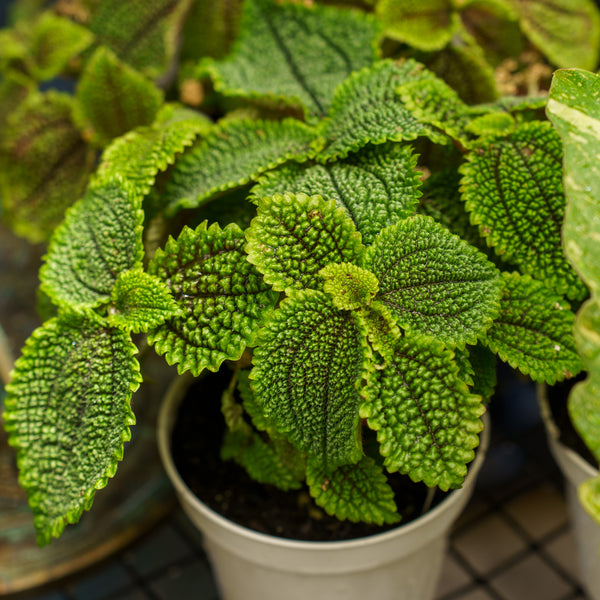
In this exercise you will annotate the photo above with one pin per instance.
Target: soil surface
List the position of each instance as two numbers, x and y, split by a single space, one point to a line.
227 489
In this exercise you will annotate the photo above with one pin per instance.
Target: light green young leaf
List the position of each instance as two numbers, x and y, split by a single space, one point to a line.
357 492
293 237
100 237
424 24
589 495
377 186
566 31
298 55
494 123
113 98
426 419
142 33
306 365
233 154
142 153
534 331
68 415
350 287
512 187
433 282
140 302
45 164
367 110
221 295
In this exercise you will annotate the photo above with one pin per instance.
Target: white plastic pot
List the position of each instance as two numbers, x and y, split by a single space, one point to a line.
402 564
576 470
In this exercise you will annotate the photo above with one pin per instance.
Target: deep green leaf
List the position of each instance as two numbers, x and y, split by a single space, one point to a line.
566 31
142 153
534 331
100 237
433 282
377 186
512 187
45 164
221 295
308 360
298 54
140 302
113 98
68 415
142 33
233 154
366 109
423 24
293 237
357 492
426 419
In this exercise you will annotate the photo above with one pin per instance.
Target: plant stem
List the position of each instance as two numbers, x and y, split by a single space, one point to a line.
428 500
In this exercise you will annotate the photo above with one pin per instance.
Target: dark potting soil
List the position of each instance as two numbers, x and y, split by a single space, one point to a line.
557 395
227 489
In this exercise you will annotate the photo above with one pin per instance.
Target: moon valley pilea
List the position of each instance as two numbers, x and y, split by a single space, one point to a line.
369 235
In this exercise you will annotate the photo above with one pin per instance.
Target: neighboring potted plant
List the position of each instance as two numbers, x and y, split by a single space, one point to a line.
308 240
573 109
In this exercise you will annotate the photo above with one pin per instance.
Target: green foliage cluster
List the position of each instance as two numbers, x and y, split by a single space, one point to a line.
327 203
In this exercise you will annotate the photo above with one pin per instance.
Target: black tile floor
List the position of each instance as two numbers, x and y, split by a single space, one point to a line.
513 542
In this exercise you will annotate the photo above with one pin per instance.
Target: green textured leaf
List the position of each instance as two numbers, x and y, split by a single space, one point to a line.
433 102
589 495
423 24
493 24
100 237
366 109
350 287
113 98
426 419
463 66
566 31
306 365
141 154
293 237
496 123
480 364
233 154
140 302
377 186
266 462
142 33
512 187
298 55
433 282
441 200
357 492
534 331
222 296
573 109
45 164
68 415
54 41
210 29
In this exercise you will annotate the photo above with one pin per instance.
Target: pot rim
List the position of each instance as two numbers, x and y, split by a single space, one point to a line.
166 419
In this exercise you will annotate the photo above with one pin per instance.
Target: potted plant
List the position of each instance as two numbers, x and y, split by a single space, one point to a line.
572 109
300 239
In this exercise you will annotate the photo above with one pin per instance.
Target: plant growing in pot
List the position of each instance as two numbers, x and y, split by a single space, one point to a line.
371 326
572 107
